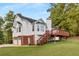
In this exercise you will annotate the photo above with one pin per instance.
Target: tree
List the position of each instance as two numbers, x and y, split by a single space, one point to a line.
1 31
8 26
66 16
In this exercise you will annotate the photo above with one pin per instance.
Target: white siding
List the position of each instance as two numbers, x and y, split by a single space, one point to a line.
49 25
39 33
28 40
15 33
15 41
19 41
36 38
56 38
42 29
26 27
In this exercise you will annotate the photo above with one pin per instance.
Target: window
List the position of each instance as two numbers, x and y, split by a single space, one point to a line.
40 27
33 28
19 27
37 27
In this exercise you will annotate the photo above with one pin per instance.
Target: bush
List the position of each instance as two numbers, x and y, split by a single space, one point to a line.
1 42
10 41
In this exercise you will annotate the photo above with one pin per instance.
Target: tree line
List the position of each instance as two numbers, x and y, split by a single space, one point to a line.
65 16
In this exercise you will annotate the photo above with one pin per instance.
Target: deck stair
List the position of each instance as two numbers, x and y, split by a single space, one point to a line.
44 38
48 34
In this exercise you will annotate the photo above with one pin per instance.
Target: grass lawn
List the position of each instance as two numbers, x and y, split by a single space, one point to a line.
68 47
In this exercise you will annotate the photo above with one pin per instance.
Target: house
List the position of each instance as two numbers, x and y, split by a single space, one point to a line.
28 31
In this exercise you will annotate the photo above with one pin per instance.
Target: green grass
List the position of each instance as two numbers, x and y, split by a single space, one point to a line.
68 47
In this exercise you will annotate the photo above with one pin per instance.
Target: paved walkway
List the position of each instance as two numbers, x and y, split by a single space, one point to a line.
9 45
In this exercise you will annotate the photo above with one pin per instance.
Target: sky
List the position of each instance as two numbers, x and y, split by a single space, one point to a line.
32 10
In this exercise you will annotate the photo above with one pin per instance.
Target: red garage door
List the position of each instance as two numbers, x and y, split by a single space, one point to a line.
24 40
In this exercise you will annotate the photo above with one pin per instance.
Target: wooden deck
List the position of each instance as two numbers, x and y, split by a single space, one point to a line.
44 38
62 33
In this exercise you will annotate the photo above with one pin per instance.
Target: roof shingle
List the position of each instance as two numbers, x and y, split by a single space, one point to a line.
26 18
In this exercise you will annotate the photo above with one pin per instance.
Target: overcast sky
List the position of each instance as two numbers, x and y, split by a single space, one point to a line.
33 10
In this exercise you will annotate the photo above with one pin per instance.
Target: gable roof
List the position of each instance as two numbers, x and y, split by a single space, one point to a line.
26 18
30 19
41 21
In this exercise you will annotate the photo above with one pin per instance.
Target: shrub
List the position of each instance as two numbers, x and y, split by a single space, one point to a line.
1 42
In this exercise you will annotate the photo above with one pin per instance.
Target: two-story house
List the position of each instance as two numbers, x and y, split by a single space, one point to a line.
27 30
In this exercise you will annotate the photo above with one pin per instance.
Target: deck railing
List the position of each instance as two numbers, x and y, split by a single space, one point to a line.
57 32
43 39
